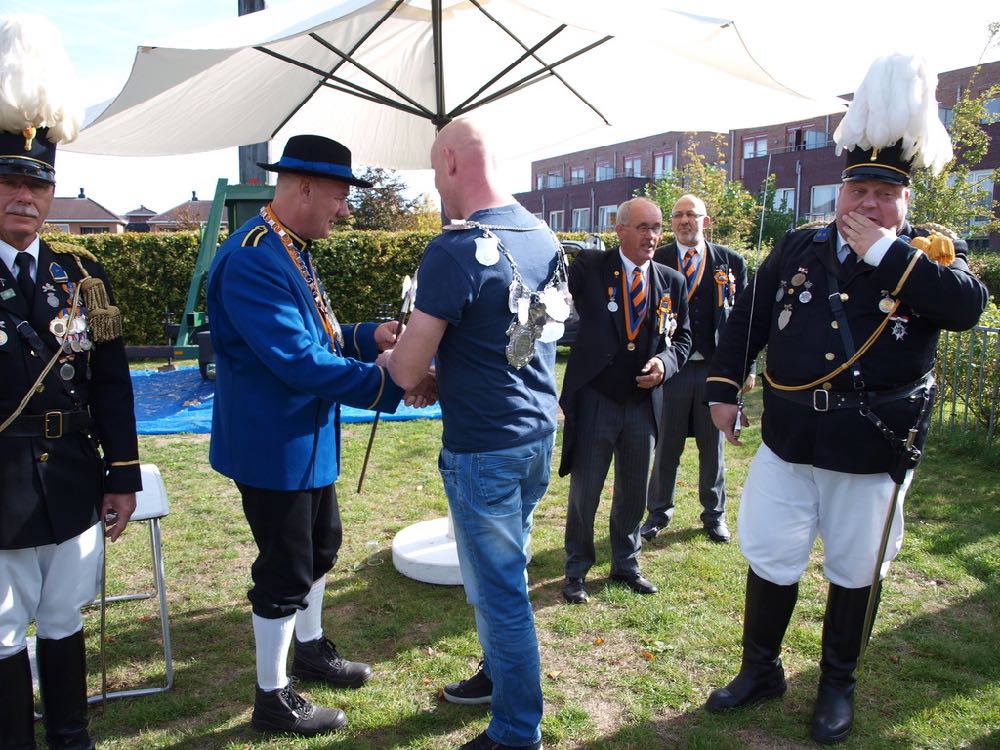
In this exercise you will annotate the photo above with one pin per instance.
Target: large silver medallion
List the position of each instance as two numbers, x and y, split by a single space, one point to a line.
784 316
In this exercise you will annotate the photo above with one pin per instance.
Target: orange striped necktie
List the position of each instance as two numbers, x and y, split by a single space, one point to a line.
637 294
689 266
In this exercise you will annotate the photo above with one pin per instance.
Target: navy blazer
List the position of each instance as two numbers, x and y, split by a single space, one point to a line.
602 335
278 383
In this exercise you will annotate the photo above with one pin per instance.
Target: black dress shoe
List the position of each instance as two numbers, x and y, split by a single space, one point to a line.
573 591
485 742
635 582
834 714
318 660
719 533
649 532
284 710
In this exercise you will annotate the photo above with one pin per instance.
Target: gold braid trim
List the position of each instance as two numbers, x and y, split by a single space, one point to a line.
68 248
727 381
105 319
125 463
381 388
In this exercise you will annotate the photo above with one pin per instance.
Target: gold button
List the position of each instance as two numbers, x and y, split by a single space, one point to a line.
40 388
44 457
844 296
827 386
830 356
834 324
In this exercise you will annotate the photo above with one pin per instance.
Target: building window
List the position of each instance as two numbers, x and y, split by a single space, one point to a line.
633 166
823 202
556 221
982 182
946 115
755 145
815 139
554 180
663 164
581 220
784 199
607 217
539 181
604 171
992 111
577 175
93 230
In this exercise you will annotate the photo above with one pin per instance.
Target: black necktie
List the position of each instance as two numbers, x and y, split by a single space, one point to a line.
850 261
24 282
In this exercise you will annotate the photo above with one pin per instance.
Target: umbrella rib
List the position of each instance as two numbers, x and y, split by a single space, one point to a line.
347 58
536 77
355 90
558 77
527 53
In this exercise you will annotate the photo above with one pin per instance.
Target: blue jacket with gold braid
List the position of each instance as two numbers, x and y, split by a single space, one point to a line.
279 381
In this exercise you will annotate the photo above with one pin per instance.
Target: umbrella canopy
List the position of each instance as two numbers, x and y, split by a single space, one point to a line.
383 75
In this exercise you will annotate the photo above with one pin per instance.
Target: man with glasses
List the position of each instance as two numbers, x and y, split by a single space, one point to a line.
633 336
714 276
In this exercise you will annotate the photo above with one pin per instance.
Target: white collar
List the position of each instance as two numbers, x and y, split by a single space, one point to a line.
8 253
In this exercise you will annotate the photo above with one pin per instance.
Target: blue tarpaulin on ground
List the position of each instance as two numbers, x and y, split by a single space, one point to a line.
181 401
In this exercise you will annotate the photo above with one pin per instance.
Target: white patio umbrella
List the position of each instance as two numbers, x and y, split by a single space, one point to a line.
383 75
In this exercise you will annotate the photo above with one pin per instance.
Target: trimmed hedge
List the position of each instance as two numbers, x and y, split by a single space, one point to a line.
150 273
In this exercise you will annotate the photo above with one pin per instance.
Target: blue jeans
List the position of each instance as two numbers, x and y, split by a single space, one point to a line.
492 496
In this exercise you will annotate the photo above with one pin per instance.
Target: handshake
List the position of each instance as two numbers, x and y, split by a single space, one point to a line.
424 393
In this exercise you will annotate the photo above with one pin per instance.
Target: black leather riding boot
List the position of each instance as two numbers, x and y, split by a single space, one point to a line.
842 637
767 613
17 717
62 677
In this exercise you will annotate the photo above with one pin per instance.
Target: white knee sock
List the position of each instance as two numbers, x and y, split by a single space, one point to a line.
272 638
309 621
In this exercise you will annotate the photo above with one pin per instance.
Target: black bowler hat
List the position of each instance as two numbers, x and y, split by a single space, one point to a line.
883 164
28 153
316 155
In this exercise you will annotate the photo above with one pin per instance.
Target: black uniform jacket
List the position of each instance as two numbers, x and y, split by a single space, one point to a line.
51 487
793 318
719 259
602 333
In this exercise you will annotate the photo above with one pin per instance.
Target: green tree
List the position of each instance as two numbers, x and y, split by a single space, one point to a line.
956 197
383 206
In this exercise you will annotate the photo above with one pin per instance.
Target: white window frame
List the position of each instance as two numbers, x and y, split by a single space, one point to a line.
603 170
556 221
663 164
577 175
632 165
830 202
580 220
607 218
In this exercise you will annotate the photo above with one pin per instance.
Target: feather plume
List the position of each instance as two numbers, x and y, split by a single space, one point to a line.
37 86
897 101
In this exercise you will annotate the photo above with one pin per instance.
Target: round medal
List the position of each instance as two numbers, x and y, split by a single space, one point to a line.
798 279
612 306
886 304
630 346
805 296
85 344
57 327
3 338
67 371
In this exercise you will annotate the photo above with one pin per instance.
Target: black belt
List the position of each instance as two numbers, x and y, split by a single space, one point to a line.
824 400
51 424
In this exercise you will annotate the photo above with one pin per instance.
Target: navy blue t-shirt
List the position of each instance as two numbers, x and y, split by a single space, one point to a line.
486 403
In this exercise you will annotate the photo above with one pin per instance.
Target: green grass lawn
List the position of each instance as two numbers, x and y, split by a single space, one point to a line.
623 672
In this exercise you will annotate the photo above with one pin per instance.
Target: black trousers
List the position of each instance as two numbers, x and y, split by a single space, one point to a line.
298 535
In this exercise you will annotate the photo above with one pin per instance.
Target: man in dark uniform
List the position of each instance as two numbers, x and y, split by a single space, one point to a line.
850 314
634 335
66 398
715 275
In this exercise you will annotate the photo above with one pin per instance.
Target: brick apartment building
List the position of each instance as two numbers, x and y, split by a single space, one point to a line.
581 190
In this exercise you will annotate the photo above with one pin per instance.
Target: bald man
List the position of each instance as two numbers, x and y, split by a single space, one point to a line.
496 385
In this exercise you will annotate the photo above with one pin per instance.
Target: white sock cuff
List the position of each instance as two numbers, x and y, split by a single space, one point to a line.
309 621
272 639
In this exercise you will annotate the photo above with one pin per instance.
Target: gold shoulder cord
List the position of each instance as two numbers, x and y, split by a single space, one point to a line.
862 349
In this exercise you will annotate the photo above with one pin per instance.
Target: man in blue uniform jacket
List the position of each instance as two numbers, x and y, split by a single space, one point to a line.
283 367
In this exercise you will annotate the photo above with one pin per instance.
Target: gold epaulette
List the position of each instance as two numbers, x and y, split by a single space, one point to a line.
254 236
70 248
938 229
812 225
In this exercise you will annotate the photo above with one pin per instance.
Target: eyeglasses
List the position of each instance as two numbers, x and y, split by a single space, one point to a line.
650 228
12 183
678 215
